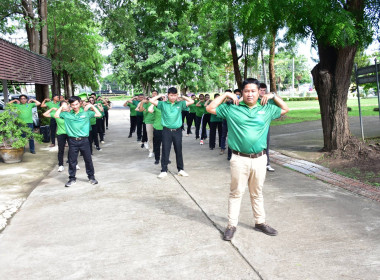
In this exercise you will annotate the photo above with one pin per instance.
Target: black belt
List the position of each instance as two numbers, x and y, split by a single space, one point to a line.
171 129
77 138
250 155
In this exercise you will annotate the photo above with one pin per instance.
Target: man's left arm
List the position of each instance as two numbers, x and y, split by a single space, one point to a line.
277 100
38 103
188 100
93 108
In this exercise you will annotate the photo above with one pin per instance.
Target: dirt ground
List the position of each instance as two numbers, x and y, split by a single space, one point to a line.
359 161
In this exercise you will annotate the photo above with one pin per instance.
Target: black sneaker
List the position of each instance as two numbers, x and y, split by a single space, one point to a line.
266 229
93 181
157 162
99 149
130 136
70 183
229 233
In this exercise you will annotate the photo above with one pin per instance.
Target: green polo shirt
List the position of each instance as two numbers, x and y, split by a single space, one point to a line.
248 128
171 113
199 111
136 103
157 119
193 107
132 109
51 104
25 111
215 118
77 125
61 129
93 121
148 117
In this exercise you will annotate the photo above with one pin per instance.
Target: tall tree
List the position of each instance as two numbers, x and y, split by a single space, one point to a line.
74 45
338 28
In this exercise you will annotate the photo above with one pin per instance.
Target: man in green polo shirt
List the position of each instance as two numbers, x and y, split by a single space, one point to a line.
215 123
248 123
132 115
25 108
47 103
171 119
199 111
140 126
191 116
77 124
157 130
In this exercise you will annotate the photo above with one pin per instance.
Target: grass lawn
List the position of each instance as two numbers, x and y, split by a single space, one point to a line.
301 111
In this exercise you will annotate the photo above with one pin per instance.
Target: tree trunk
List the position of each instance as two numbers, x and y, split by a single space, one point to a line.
235 58
30 26
56 87
263 64
272 74
332 80
67 84
246 61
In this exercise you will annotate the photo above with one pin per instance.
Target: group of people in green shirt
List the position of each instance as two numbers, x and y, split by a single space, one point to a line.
247 119
70 123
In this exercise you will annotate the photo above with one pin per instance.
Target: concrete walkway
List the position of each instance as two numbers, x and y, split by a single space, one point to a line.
135 226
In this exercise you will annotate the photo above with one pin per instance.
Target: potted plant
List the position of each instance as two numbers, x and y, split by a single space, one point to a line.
14 134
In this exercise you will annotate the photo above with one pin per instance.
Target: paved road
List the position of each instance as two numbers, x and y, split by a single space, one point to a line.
134 226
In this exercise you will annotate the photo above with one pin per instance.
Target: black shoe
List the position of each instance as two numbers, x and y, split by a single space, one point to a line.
106 127
229 158
266 229
138 139
157 162
229 233
169 162
33 152
99 149
93 181
130 136
211 149
142 145
190 132
70 183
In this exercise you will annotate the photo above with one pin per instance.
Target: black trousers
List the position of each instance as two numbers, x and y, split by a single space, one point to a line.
53 130
185 114
205 121
132 120
99 128
76 146
144 133
190 118
168 137
139 127
103 127
198 121
94 136
157 140
106 118
61 139
213 127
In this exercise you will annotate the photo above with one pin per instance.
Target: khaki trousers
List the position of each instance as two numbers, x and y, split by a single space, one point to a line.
149 132
252 171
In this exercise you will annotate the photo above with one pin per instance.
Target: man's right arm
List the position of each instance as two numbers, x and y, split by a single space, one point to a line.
219 100
43 105
154 100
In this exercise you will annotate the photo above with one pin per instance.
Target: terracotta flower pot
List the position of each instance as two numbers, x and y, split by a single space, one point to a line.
11 155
